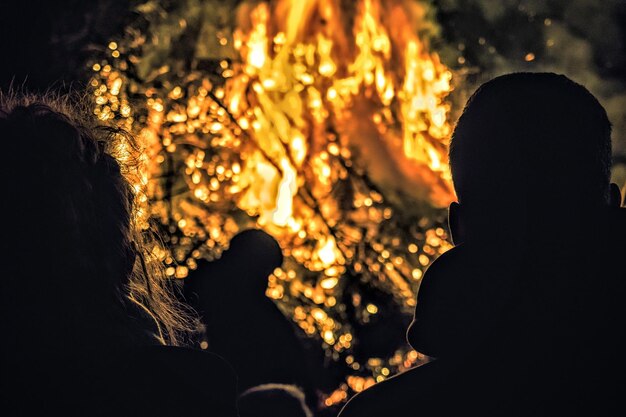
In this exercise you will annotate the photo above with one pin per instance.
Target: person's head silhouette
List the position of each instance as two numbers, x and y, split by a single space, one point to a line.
530 159
76 263
530 150
252 256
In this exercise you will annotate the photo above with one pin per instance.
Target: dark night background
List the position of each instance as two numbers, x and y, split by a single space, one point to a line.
46 43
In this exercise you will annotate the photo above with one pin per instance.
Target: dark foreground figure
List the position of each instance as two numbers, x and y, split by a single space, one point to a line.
526 315
242 324
84 313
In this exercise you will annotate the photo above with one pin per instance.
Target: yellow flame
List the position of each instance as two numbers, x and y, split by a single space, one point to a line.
301 74
257 40
284 199
287 73
327 251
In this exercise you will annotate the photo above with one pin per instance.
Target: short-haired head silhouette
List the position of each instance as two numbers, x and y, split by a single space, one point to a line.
530 149
530 159
252 255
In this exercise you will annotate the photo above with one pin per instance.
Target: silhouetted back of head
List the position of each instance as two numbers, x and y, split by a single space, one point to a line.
251 257
275 400
529 146
70 228
74 256
530 160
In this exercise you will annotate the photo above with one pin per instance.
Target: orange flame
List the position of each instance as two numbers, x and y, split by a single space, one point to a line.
312 93
292 68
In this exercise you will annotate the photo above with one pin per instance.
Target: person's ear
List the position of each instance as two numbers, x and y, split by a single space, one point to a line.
455 222
615 196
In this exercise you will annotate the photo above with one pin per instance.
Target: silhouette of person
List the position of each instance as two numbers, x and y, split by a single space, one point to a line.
242 324
84 311
276 400
525 315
